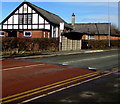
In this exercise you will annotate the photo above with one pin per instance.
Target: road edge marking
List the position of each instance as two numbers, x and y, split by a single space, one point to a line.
52 92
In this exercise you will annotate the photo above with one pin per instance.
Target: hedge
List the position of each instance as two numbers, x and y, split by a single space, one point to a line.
29 44
100 44
41 44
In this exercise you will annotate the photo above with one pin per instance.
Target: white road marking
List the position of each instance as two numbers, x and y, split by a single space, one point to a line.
49 93
22 67
88 59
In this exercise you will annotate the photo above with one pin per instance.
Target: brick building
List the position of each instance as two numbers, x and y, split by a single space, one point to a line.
28 20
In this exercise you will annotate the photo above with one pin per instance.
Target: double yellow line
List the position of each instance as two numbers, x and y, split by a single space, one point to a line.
46 88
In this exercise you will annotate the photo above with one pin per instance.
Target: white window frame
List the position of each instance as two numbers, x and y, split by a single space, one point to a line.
27 35
1 34
91 37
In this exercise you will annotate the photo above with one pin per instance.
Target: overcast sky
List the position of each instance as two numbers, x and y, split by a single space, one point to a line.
94 11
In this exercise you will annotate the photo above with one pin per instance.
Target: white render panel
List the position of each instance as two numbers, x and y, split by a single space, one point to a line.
47 27
20 26
46 22
16 12
15 19
35 19
21 9
15 26
25 8
24 26
56 32
41 26
5 22
41 20
33 11
4 26
35 26
29 26
29 9
52 32
10 20
9 26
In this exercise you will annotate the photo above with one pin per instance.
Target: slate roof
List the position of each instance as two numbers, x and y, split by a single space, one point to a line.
92 28
53 18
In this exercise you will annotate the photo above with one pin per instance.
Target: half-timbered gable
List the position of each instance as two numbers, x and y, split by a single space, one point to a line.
31 21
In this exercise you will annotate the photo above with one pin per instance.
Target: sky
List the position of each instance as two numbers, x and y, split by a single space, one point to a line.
86 11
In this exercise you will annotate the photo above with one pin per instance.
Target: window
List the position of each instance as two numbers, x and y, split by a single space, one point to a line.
20 19
91 37
27 34
25 19
54 31
29 18
1 33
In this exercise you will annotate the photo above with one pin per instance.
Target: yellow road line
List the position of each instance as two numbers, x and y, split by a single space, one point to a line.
10 100
45 86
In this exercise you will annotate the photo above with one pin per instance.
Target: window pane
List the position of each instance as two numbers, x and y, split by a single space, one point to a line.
29 26
27 34
20 19
25 19
29 18
1 33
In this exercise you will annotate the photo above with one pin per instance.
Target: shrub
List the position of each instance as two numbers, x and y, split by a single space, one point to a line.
29 44
100 44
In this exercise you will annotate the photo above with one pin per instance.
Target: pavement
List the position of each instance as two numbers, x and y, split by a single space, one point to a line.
50 54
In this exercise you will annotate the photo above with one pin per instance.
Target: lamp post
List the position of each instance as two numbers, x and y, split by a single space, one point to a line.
109 25
60 37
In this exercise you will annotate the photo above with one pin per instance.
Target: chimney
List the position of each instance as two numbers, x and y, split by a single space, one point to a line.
73 19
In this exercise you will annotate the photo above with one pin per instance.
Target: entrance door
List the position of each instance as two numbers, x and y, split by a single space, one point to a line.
12 34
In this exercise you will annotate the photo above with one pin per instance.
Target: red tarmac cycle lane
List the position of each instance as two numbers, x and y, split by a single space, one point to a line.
20 76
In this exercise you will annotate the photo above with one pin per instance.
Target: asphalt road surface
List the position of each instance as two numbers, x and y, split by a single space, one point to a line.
100 61
101 90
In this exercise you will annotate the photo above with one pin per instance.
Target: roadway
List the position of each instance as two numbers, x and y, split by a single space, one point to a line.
29 79
98 91
22 80
101 61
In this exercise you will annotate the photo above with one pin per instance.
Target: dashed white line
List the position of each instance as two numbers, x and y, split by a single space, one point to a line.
88 59
22 67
